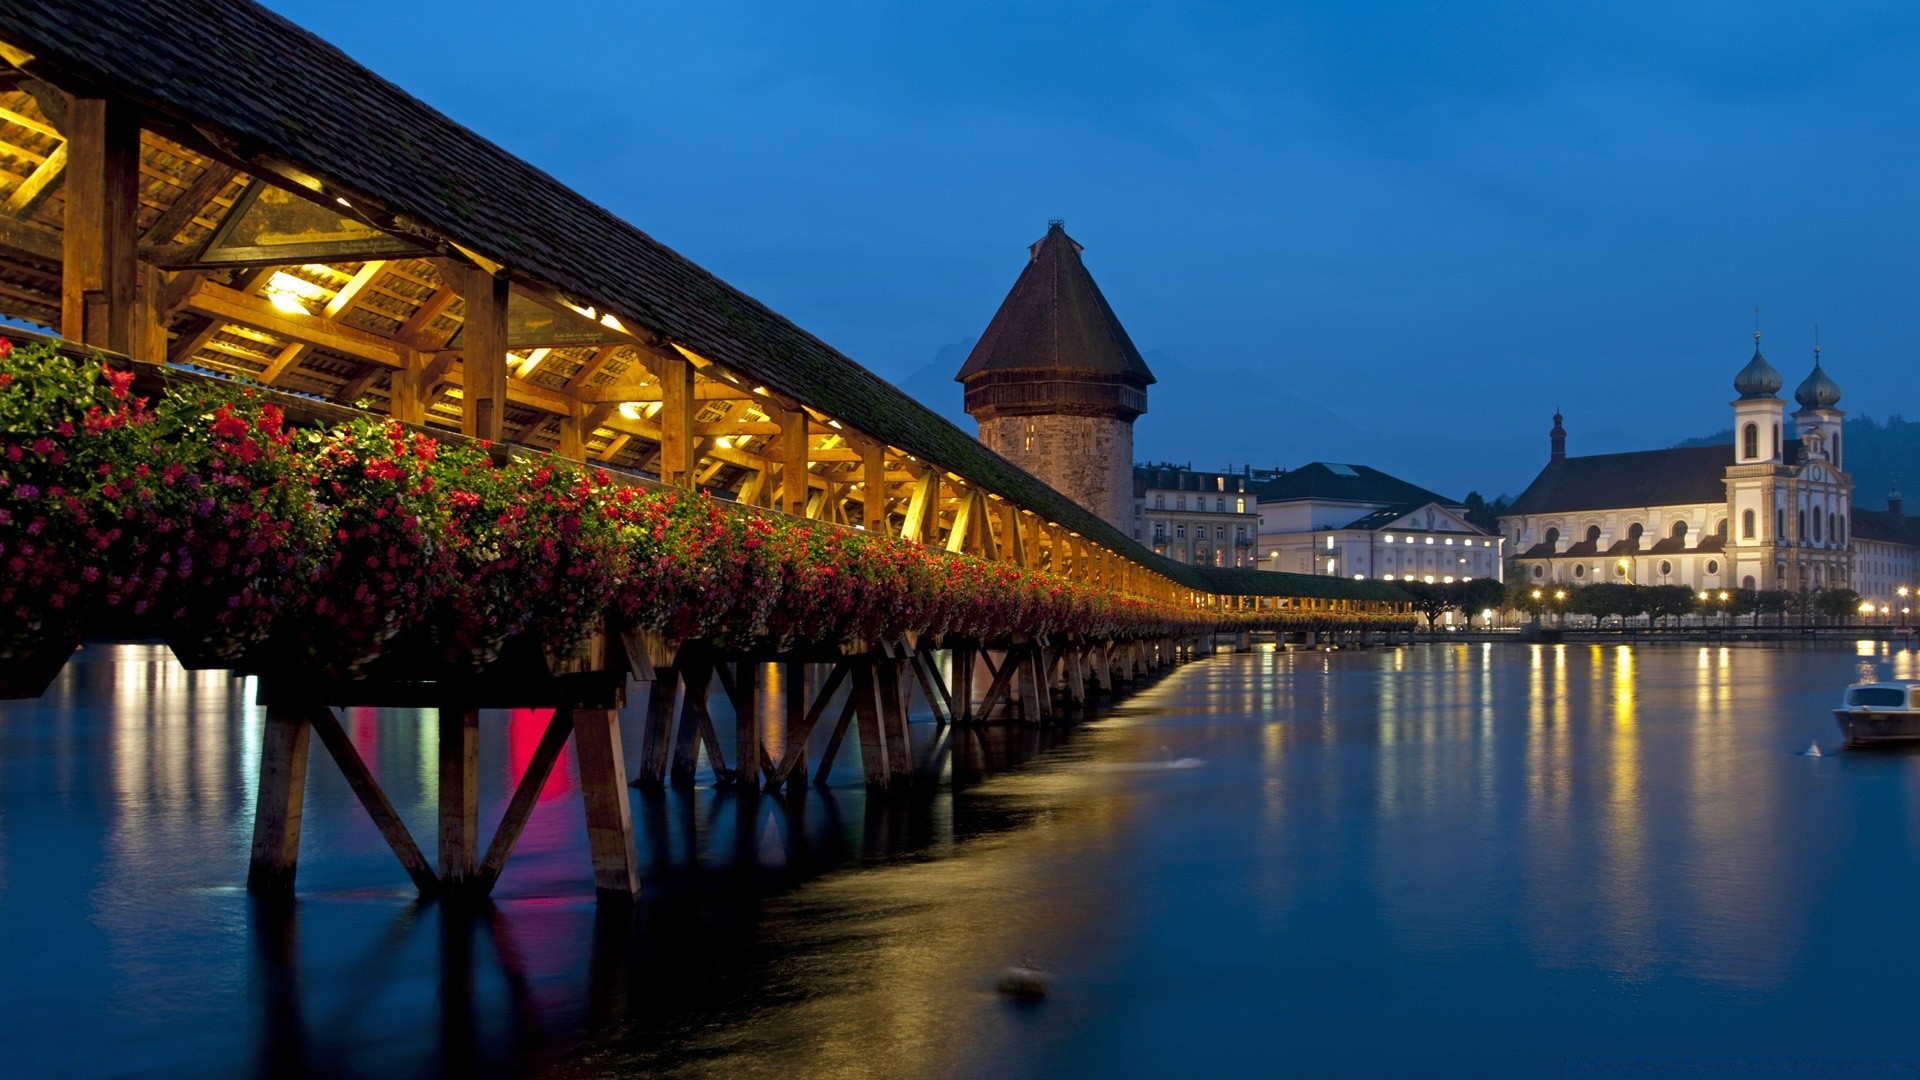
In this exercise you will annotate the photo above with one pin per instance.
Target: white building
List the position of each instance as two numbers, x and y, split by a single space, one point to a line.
1357 522
1195 517
1766 512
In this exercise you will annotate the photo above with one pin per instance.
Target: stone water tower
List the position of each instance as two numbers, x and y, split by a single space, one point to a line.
1055 383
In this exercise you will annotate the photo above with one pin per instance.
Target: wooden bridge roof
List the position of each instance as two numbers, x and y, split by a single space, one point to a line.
228 89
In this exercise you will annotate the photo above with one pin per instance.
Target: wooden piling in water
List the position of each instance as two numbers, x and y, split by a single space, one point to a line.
279 800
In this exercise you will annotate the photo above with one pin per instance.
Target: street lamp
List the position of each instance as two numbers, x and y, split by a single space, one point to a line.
1559 616
1626 570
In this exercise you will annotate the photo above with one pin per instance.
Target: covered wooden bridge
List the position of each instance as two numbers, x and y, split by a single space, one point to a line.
201 184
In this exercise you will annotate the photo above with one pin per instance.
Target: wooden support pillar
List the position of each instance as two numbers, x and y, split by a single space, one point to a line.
483 354
603 790
573 434
892 690
459 796
961 683
697 671
656 738
794 473
794 682
746 730
1076 677
873 470
873 737
1103 667
279 800
406 398
1012 543
677 408
100 277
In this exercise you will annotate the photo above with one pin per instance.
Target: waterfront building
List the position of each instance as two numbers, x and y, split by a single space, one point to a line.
1055 383
1773 509
1357 522
1194 516
1886 556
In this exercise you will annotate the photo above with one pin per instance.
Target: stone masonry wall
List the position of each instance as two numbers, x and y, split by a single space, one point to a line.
1089 459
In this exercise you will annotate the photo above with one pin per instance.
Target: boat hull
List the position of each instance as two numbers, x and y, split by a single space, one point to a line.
1864 727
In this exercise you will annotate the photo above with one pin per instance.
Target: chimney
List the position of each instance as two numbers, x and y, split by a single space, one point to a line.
1559 437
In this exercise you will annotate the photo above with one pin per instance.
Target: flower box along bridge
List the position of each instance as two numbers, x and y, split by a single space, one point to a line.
393 419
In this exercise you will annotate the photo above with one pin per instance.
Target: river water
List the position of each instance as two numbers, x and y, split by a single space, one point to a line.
1473 860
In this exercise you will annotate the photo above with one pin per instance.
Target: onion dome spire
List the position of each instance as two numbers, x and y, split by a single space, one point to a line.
1758 379
1818 391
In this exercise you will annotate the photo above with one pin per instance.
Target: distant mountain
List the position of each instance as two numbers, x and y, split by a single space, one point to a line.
1879 456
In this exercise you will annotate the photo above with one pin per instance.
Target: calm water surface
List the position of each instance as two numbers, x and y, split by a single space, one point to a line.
1438 860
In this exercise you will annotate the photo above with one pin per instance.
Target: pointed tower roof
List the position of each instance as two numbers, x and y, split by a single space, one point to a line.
1055 320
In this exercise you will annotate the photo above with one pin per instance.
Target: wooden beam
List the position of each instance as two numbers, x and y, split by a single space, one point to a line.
357 386
24 240
367 790
348 292
525 794
42 182
100 244
220 302
406 396
962 523
414 331
211 182
923 510
483 392
592 367
704 390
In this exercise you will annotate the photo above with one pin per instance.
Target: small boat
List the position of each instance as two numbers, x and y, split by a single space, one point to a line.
1879 712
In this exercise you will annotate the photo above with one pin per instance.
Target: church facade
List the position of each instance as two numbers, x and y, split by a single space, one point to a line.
1773 510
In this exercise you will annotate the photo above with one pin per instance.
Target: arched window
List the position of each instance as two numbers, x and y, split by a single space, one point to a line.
1633 534
1720 530
1593 534
1746 524
1553 539
1750 441
1779 523
1776 440
1842 534
1680 530
1747 582
1836 450
1803 524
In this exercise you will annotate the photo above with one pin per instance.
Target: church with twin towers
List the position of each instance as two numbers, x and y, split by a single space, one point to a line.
1771 509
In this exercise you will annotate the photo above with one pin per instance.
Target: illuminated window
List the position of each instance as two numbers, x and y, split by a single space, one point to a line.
1239 506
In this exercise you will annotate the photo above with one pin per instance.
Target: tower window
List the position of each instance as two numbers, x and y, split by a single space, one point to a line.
1746 524
1776 440
1750 441
1029 442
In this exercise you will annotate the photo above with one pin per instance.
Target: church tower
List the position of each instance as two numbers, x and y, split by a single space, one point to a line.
1055 383
1756 412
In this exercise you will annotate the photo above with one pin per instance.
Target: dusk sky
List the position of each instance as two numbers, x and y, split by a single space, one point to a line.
1397 234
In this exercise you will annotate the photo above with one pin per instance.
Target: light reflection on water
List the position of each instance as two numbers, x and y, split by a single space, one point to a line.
1506 854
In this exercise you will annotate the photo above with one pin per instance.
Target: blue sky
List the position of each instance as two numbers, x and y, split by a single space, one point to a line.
1391 233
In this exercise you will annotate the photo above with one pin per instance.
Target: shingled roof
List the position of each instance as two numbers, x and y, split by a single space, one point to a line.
1055 319
1886 527
1678 477
1346 483
267 93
